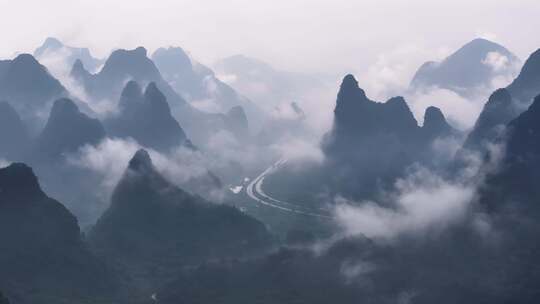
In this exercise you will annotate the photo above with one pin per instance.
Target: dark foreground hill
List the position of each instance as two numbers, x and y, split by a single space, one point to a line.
43 257
513 188
154 229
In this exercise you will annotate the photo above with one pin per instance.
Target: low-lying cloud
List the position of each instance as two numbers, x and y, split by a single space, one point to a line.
422 202
496 61
4 163
390 74
111 157
208 105
299 149
58 65
459 111
287 111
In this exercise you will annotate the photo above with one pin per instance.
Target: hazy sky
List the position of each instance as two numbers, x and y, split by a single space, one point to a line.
306 35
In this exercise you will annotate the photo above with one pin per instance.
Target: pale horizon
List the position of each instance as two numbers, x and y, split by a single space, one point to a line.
336 37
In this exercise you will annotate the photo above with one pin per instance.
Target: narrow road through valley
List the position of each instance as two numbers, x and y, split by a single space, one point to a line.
254 191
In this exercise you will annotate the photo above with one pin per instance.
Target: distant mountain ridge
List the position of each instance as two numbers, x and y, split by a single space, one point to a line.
120 67
263 84
471 68
146 117
29 88
53 49
196 82
123 66
66 131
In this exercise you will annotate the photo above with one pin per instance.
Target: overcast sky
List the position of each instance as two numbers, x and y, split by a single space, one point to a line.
305 35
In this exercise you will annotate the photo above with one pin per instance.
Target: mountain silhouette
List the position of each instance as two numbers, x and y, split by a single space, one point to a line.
527 85
53 48
472 67
497 112
435 124
178 69
372 143
506 104
42 255
357 118
152 223
123 66
237 122
196 82
146 117
28 86
66 130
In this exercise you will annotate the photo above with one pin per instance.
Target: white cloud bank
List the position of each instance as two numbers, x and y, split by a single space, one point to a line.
57 64
111 157
423 201
4 163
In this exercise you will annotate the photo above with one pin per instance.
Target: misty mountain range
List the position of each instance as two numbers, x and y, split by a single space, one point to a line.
468 70
153 179
53 47
264 83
